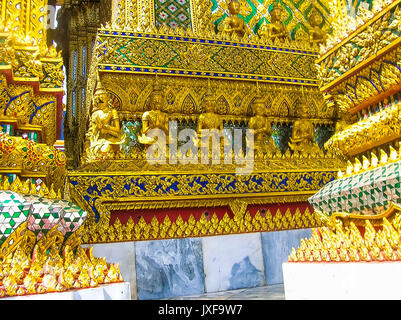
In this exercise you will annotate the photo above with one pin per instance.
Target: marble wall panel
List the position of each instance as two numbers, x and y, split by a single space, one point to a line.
169 268
233 262
276 248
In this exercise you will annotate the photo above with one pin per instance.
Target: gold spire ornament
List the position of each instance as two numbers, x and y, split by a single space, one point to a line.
365 163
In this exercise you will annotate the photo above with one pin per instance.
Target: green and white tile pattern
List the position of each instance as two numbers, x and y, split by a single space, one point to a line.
14 210
41 213
370 192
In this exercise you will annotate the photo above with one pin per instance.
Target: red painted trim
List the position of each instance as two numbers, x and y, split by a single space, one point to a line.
173 213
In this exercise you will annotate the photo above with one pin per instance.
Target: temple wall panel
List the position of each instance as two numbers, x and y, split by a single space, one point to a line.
194 266
276 249
233 262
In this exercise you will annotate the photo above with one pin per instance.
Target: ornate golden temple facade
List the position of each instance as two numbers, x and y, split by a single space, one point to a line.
202 65
301 100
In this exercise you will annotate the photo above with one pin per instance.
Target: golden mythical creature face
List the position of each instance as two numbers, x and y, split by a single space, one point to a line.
101 101
303 112
209 105
234 7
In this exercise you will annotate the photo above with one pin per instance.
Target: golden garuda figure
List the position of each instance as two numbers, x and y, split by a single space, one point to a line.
276 28
155 118
303 136
235 25
105 134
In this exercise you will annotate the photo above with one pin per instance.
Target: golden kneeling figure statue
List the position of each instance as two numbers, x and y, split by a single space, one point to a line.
234 25
154 118
277 28
105 134
209 120
303 136
317 35
263 143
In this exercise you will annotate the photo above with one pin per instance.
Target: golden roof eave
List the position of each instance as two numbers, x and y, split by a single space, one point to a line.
357 31
361 66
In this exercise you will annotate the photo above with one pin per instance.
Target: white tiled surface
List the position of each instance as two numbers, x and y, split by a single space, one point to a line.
339 281
115 291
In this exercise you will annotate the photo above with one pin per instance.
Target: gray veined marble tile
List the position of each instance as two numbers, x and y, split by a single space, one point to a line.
233 262
168 268
276 248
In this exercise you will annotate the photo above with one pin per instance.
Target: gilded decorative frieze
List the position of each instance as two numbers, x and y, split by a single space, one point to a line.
278 162
184 96
133 52
93 192
204 203
205 226
373 39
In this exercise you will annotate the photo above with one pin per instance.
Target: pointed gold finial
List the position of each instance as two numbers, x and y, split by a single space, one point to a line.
393 154
6 185
383 157
25 186
374 161
32 189
340 174
357 165
16 185
365 163
350 168
44 190
52 193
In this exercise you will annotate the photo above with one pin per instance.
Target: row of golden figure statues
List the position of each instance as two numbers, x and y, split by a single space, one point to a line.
235 26
105 135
